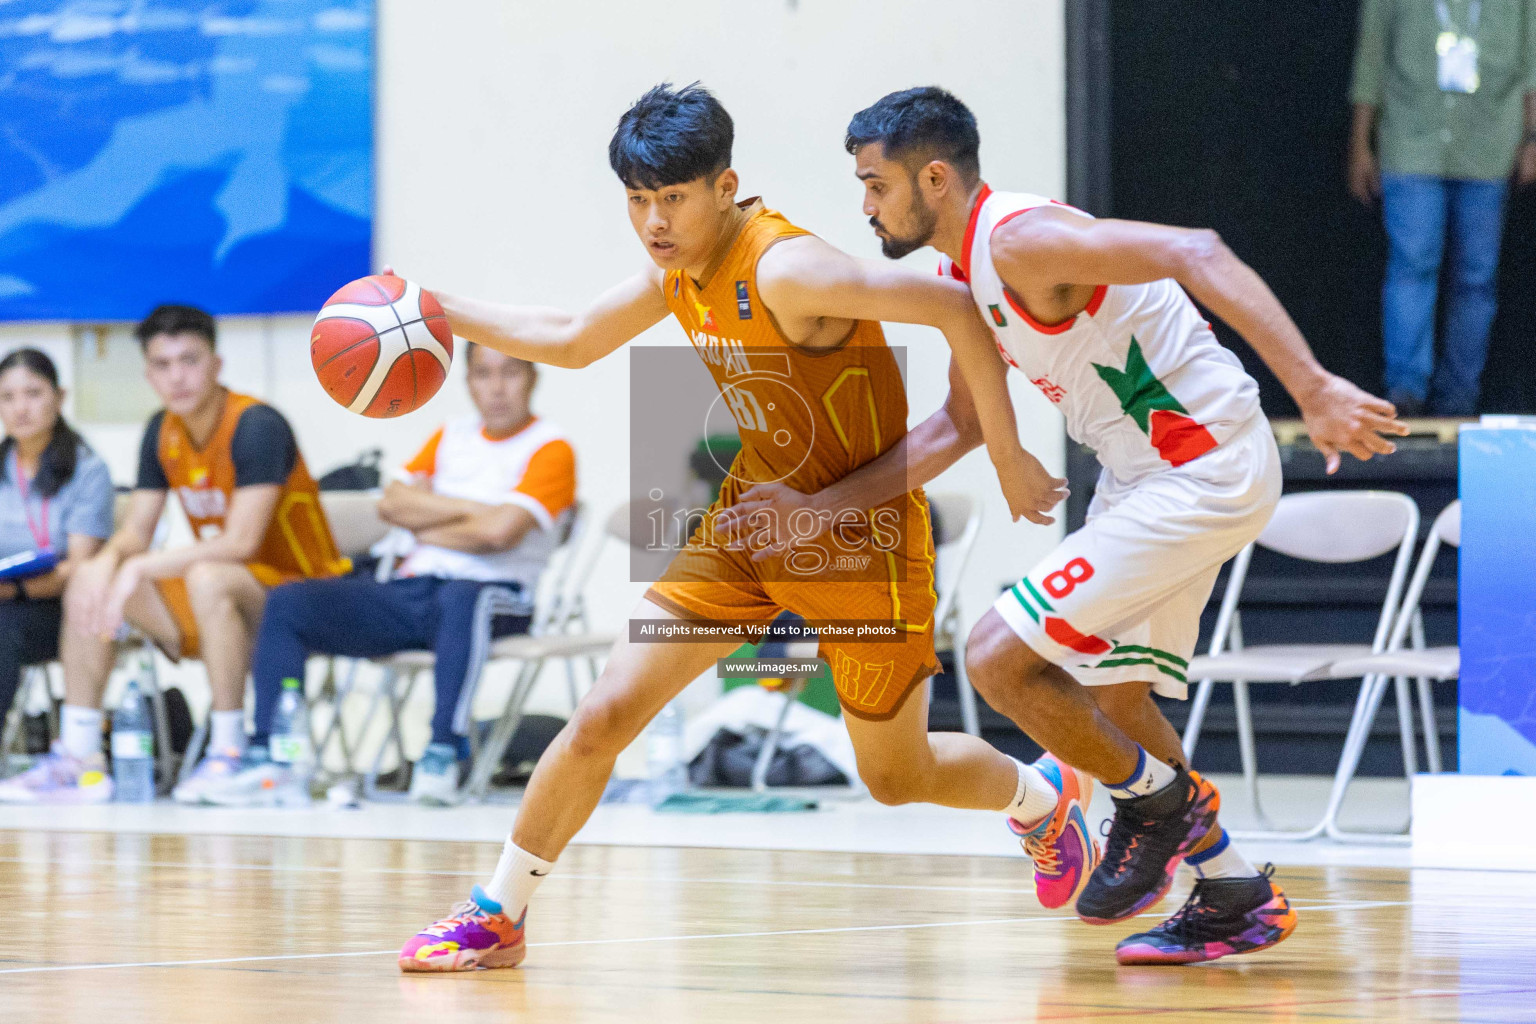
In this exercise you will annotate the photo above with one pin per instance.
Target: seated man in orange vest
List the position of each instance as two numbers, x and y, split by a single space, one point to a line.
255 512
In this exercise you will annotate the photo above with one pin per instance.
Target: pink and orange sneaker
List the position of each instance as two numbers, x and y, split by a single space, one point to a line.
1063 852
475 934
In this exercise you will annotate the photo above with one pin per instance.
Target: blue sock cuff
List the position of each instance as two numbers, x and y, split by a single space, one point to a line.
1141 766
487 904
1216 849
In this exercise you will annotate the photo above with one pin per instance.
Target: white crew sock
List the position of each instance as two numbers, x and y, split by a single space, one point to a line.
80 731
1035 798
1150 776
1221 860
226 732
518 874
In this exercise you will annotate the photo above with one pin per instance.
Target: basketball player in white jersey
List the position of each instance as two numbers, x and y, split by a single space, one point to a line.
1095 313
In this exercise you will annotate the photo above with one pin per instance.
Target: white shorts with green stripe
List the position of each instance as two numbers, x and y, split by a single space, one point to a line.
1119 601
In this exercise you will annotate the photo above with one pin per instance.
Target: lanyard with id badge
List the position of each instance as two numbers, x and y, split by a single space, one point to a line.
42 558
1456 52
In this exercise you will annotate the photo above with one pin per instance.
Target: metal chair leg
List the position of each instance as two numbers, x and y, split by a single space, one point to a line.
485 763
1431 727
1405 727
791 693
337 694
1372 690
1197 708
1247 749
167 774
970 720
396 702
1426 700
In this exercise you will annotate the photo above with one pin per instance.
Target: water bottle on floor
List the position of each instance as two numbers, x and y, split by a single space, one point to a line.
291 747
133 748
665 769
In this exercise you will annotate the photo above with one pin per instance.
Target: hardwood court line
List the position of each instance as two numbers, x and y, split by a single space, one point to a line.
677 879
638 939
1249 1008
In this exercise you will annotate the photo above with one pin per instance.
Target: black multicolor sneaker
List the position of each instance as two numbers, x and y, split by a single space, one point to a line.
1147 839
1222 917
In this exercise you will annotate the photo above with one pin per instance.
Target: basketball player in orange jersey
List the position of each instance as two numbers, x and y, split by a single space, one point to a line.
755 293
233 463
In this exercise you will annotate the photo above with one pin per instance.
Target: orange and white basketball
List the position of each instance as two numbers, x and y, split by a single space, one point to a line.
381 346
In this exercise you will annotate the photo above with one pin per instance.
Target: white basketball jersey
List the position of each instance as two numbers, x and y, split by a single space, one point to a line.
1139 374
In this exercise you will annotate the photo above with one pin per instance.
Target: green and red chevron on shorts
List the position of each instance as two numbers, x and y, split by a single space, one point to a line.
1177 437
1132 654
1117 655
1057 628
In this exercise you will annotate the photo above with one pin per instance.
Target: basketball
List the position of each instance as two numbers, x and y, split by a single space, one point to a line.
381 346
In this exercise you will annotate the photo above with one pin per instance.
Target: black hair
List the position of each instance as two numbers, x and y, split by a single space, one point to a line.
58 460
925 122
671 136
174 319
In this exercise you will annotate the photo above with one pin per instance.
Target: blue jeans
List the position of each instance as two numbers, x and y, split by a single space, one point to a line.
356 617
1417 211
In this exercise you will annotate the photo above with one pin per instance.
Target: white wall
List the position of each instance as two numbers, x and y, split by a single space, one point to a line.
493 124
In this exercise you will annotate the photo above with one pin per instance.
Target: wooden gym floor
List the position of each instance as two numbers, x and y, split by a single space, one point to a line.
112 927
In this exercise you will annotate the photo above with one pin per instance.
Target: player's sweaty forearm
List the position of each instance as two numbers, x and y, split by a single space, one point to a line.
924 452
554 337
536 333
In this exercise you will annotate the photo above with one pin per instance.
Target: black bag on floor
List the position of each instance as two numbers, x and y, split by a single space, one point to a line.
363 475
728 758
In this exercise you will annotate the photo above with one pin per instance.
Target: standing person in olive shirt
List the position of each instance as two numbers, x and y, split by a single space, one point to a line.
1444 115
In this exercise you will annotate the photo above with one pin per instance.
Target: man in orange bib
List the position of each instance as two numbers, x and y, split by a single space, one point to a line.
787 326
255 513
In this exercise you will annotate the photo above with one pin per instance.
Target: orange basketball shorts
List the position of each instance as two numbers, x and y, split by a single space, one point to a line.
173 591
850 585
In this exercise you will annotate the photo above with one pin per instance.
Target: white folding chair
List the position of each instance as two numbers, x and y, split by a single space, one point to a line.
554 611
959 524
1335 527
1417 662
559 631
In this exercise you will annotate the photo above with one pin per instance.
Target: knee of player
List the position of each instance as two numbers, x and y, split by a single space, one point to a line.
206 582
994 656
600 728
893 785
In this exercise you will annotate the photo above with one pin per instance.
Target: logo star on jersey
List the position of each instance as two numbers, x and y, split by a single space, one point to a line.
706 317
1145 399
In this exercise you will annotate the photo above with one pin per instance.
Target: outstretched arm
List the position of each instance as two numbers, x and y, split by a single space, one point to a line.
1040 253
808 280
541 334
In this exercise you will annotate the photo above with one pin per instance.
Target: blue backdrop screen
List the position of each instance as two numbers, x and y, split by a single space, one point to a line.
151 151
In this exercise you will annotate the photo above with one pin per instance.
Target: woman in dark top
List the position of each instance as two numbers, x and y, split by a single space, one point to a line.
55 505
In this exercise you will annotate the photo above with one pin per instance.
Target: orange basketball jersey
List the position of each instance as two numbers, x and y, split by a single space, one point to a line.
298 541
805 418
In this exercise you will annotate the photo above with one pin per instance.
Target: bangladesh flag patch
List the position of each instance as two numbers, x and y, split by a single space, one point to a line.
997 316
